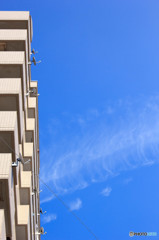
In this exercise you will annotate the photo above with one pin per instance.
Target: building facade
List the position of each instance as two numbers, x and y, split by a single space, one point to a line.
19 131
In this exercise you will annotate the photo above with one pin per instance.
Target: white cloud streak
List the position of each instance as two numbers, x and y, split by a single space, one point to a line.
129 140
106 191
47 199
49 218
127 180
75 205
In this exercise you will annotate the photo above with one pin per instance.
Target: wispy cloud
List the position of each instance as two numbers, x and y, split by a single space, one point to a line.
75 205
49 218
46 199
126 139
127 180
106 191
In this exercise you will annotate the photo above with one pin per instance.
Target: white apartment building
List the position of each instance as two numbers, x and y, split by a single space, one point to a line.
19 131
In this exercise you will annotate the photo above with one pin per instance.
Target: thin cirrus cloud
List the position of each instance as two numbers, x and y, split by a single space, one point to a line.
49 218
106 191
106 145
127 180
75 205
47 199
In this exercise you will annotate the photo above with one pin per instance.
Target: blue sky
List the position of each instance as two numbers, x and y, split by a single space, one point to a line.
99 114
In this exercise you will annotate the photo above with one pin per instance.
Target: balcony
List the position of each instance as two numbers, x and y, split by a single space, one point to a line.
12 65
15 40
9 137
11 100
25 190
23 223
30 124
6 193
2 225
32 107
28 154
9 133
17 20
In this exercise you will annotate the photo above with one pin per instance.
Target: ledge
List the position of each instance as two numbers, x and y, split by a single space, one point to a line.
5 165
25 179
13 34
30 124
8 120
23 214
28 149
14 15
2 225
10 85
32 102
12 57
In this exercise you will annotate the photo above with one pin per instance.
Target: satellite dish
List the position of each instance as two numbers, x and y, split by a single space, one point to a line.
20 159
41 211
42 230
33 90
33 51
35 62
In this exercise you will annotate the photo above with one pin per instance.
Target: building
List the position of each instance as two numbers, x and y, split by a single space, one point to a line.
19 131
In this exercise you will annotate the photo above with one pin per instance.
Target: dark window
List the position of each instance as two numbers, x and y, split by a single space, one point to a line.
3 46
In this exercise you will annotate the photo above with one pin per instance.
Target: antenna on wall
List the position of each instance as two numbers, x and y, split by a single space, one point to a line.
34 61
33 51
20 159
36 191
33 91
41 231
41 212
